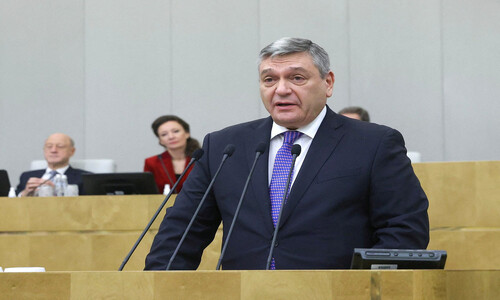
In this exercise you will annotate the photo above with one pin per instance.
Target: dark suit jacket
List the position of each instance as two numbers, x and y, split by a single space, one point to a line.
356 188
152 164
74 177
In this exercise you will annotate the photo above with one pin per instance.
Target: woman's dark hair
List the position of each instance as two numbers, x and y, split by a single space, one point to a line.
191 144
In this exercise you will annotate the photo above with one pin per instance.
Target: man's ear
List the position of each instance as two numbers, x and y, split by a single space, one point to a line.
329 81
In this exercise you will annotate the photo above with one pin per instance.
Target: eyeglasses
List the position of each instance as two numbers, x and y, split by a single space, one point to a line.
58 146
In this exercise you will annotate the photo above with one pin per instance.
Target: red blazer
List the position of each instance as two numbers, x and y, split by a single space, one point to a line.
152 164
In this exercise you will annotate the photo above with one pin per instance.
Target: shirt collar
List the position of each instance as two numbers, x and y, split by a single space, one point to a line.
309 130
60 170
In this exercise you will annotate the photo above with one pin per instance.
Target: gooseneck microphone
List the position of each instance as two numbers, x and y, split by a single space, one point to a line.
261 147
295 152
228 151
194 157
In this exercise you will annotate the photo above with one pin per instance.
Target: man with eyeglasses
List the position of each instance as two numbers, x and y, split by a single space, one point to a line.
58 149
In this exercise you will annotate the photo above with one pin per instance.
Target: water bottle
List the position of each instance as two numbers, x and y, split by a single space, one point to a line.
166 189
58 184
64 184
12 192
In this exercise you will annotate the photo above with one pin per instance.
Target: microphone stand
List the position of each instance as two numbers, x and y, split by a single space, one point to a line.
196 155
228 151
259 151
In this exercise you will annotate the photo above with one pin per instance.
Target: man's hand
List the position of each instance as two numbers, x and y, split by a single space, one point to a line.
32 184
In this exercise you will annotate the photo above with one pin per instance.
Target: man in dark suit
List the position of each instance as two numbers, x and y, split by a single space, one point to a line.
58 149
352 185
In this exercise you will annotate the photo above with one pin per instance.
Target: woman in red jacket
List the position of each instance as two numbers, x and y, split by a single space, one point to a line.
173 134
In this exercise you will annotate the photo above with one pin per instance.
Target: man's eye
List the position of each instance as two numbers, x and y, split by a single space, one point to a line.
268 80
298 78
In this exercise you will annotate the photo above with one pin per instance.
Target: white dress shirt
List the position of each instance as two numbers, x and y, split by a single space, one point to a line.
309 131
59 171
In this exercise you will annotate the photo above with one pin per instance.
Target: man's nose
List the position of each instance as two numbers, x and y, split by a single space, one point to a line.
283 88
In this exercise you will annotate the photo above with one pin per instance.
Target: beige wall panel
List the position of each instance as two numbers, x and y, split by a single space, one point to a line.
44 286
15 251
473 284
60 252
409 285
14 214
112 285
109 251
295 285
462 194
468 249
66 251
199 285
130 212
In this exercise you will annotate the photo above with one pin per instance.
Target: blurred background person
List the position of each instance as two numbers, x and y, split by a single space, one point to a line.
57 150
355 112
173 134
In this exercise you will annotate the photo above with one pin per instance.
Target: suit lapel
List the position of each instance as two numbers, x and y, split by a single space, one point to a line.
69 170
324 143
259 182
69 173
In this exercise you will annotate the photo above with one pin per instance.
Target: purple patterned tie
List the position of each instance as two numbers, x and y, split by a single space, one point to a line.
281 168
53 174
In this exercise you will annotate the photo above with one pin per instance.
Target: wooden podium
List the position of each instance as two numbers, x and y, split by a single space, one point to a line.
339 284
89 236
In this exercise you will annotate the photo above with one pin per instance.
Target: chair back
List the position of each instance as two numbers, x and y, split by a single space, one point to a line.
414 156
91 165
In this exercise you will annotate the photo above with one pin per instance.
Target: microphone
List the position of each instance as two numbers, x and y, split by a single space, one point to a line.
228 151
194 157
261 147
295 152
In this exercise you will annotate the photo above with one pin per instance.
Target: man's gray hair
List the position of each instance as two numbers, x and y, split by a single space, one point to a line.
289 45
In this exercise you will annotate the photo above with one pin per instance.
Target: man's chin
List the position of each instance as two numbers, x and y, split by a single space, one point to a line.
290 123
55 162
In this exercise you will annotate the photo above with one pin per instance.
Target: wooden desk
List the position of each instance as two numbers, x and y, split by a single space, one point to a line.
86 233
94 233
338 284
